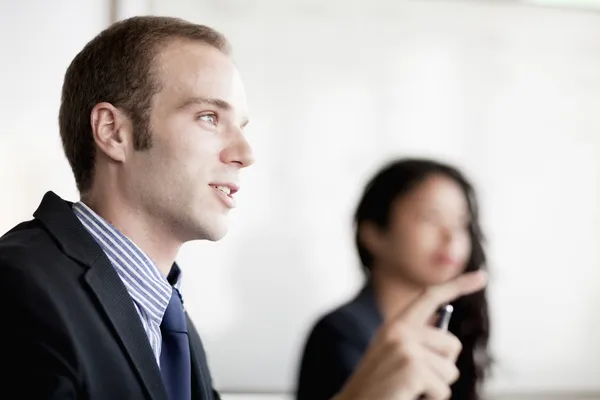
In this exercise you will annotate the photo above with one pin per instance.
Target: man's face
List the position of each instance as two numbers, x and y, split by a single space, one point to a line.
186 181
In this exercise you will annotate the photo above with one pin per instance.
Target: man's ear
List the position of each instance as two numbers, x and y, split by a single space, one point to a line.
371 236
112 131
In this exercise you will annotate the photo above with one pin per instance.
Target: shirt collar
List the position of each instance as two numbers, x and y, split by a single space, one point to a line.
149 289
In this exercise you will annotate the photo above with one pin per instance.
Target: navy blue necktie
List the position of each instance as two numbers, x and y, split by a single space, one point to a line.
175 365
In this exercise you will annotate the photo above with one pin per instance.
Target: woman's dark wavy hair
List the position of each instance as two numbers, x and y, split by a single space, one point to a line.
470 321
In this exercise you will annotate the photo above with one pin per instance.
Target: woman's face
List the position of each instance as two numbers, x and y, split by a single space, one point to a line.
427 240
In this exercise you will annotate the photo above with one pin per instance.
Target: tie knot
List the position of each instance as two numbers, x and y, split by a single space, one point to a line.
175 290
174 317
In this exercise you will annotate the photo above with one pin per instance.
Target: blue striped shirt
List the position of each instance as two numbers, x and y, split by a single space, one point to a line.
148 288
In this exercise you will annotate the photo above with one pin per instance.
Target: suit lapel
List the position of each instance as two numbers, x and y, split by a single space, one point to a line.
58 217
118 306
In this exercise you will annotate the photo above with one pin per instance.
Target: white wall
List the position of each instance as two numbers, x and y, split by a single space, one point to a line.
507 92
38 41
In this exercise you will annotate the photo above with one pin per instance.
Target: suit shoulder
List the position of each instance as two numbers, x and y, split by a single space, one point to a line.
32 274
338 321
355 320
25 245
24 235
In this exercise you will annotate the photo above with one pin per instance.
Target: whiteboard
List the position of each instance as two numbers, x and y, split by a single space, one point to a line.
509 93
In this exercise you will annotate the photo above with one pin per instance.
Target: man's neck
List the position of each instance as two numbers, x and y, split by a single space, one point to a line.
393 294
140 228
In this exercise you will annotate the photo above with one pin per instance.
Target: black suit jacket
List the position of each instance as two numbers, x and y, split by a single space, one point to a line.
69 327
335 345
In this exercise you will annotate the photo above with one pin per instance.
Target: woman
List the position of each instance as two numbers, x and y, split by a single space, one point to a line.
416 226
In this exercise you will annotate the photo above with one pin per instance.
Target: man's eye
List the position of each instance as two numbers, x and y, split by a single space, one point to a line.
210 118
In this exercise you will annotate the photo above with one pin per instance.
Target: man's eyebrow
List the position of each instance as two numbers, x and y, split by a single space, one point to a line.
221 104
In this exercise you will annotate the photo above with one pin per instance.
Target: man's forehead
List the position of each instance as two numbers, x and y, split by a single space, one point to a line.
196 70
193 63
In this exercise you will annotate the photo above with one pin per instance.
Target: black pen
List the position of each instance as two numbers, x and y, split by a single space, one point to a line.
444 314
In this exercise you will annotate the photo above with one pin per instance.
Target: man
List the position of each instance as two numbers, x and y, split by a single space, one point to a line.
151 120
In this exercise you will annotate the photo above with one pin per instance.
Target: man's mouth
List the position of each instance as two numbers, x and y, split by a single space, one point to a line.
224 189
228 188
226 192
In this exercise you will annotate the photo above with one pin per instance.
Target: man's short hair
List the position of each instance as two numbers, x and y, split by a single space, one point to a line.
117 67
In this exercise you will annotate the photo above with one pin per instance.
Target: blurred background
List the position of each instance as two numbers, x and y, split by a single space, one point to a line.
507 90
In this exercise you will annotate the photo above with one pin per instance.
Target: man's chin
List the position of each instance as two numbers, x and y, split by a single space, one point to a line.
203 231
214 233
215 237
